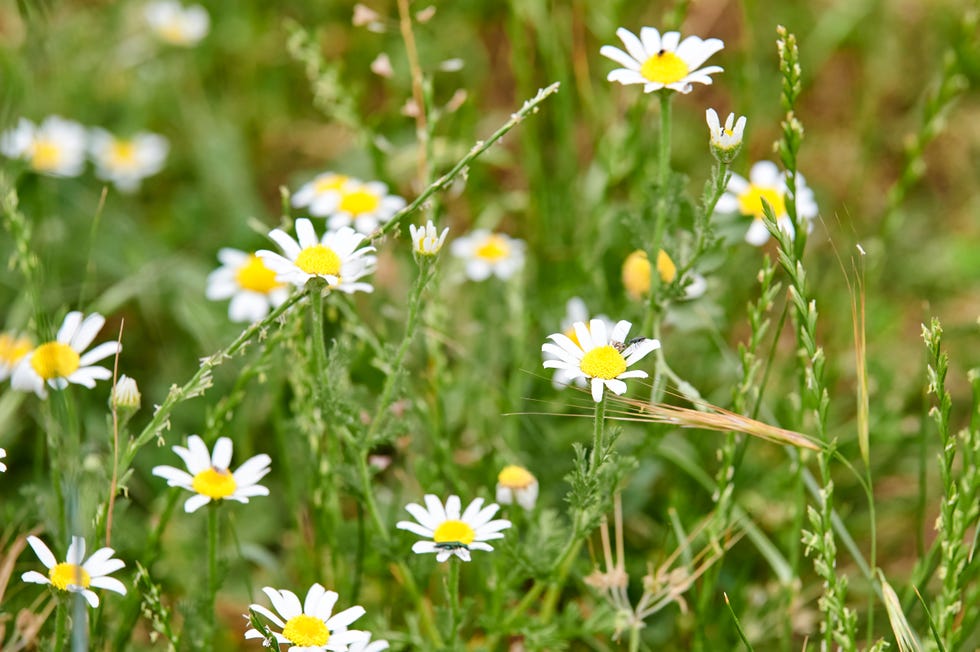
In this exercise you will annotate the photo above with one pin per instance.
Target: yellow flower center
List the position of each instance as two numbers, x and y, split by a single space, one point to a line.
750 201
255 276
319 259
45 155
515 477
122 154
359 202
664 68
454 532
306 631
495 248
636 272
214 483
174 31
64 574
13 349
603 362
326 184
55 360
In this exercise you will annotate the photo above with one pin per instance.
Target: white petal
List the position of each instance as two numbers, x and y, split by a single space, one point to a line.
109 584
621 330
757 234
633 45
619 57
617 386
69 327
221 456
651 40
415 528
435 507
452 508
43 553
597 389
87 331
423 516
100 352
195 502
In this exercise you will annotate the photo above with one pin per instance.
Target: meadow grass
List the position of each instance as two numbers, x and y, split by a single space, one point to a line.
795 462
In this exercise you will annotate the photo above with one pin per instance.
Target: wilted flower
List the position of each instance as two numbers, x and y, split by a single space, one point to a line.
76 575
665 62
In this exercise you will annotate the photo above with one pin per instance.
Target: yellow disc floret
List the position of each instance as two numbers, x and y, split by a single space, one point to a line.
453 531
359 202
320 260
13 349
603 362
495 248
750 201
215 483
45 155
256 277
306 631
65 574
515 477
55 360
122 154
664 68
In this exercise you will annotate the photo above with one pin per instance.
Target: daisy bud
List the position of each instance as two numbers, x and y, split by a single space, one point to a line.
725 141
426 240
125 394
516 484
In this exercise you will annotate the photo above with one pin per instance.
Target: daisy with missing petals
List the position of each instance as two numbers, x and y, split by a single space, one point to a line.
12 349
56 147
601 360
127 161
76 575
451 533
661 62
208 476
64 361
251 286
575 310
175 24
309 626
334 258
486 253
426 240
766 182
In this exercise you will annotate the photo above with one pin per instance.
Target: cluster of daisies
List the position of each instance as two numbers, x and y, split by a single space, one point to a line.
663 63
59 147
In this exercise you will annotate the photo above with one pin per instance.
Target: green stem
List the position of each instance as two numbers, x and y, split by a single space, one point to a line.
634 637
453 589
60 624
598 433
212 581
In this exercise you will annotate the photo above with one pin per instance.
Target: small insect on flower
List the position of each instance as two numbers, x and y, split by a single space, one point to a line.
208 475
55 148
575 310
248 282
175 24
450 533
725 141
60 362
309 627
77 574
662 62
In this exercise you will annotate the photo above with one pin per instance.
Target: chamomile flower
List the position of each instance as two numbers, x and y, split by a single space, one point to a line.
426 240
346 201
597 357
208 475
248 282
486 253
309 626
661 62
127 161
320 195
3 454
575 310
450 533
766 182
176 24
725 141
335 257
76 575
60 362
56 147
367 645
12 349
515 484
636 275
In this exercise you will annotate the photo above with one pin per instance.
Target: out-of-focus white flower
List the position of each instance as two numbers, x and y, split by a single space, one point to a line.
12 349
176 24
381 66
126 162
486 253
515 484
251 286
766 182
56 147
661 62
636 276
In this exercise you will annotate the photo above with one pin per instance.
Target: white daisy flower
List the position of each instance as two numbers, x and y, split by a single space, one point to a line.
208 476
426 240
12 349
725 141
56 147
309 626
345 201
126 162
450 532
598 358
75 575
251 286
3 454
575 310
661 62
64 361
176 24
486 253
334 257
515 484
367 645
766 182
321 194
636 276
